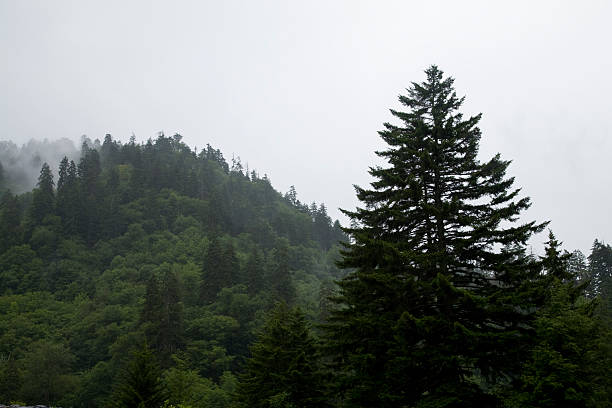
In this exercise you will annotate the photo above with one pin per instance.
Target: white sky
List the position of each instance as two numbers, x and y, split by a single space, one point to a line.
299 89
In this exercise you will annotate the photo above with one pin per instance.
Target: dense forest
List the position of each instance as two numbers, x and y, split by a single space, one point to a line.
150 243
152 274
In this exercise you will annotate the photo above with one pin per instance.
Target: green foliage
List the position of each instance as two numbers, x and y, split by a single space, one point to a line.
432 302
162 314
140 382
47 377
10 221
568 366
157 242
283 368
221 269
600 275
10 378
43 200
120 253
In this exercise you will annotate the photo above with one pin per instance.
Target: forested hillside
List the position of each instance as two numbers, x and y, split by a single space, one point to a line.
151 275
152 243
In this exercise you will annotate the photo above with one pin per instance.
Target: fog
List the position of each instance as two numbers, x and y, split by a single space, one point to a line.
21 164
299 90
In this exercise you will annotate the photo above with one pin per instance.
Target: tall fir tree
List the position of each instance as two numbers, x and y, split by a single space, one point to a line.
43 199
90 198
139 383
578 267
600 271
68 200
283 370
434 312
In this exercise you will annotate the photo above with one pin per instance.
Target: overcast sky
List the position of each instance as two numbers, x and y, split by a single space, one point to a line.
299 89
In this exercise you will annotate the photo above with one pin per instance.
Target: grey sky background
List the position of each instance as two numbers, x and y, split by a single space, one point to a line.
299 89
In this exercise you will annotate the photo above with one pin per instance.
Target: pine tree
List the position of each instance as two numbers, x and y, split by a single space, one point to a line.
434 310
109 151
555 262
322 227
68 204
283 368
43 199
140 382
600 271
62 173
577 266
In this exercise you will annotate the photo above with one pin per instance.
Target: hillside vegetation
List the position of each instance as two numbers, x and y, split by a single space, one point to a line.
150 242
151 275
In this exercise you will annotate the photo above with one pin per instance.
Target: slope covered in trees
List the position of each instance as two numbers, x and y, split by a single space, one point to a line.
152 242
150 272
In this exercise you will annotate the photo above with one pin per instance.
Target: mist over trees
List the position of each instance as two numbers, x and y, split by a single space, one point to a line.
150 274
20 165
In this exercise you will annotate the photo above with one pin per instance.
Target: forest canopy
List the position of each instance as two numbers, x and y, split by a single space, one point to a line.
149 242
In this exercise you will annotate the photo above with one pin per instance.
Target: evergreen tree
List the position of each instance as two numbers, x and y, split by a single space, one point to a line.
109 151
283 368
434 312
68 203
89 170
600 271
43 199
140 382
569 365
323 227
556 265
577 266
62 174
291 196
